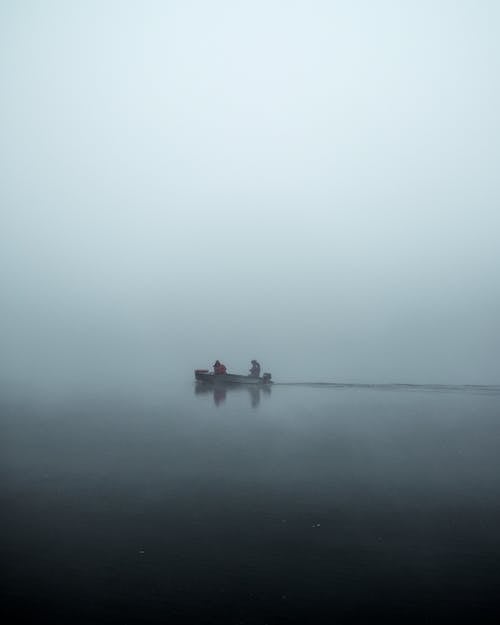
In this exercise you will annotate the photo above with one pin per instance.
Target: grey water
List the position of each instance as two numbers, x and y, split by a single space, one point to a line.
292 504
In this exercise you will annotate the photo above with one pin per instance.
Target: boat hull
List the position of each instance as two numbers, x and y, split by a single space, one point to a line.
230 378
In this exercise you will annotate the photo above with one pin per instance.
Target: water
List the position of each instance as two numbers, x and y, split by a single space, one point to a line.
300 504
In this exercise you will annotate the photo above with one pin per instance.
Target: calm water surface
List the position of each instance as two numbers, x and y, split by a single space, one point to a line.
303 504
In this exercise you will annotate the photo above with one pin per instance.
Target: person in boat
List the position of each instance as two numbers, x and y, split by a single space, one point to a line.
219 368
255 369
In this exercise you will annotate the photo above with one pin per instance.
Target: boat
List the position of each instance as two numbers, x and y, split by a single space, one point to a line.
222 379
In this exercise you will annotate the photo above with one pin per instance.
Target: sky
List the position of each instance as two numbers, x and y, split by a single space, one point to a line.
312 184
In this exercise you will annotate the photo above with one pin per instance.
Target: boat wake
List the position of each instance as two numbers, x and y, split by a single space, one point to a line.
486 388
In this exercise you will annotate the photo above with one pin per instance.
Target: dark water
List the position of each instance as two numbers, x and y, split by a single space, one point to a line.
304 504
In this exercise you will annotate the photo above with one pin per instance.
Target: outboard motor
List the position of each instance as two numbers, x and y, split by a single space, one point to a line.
266 378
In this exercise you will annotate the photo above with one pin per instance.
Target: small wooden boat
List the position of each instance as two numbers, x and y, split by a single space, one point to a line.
204 375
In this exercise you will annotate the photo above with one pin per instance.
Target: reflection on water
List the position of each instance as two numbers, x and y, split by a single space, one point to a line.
325 505
220 392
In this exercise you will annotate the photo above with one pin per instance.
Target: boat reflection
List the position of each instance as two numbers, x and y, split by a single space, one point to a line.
219 393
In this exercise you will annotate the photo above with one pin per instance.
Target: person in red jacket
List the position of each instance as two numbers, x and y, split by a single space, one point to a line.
219 368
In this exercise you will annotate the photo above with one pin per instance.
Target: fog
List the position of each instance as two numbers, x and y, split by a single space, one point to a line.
312 184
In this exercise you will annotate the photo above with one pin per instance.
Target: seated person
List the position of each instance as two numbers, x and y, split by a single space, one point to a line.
219 368
255 370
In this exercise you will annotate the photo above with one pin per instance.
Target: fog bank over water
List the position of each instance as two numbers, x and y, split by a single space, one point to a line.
313 185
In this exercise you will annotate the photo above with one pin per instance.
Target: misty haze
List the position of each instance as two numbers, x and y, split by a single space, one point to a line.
311 185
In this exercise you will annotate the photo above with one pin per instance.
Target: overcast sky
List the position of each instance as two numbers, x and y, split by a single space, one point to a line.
312 184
